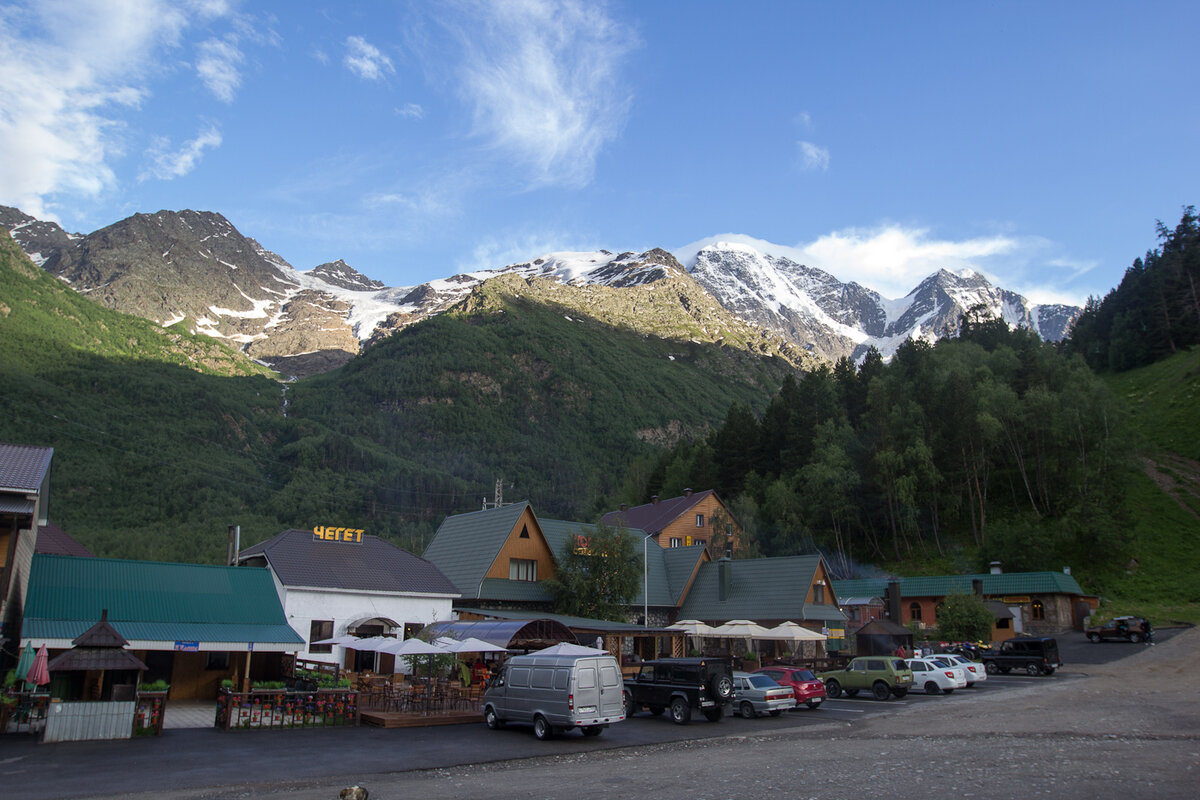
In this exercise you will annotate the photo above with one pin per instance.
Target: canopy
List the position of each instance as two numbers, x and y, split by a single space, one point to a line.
371 644
342 640
692 627
741 629
568 649
794 632
468 645
411 647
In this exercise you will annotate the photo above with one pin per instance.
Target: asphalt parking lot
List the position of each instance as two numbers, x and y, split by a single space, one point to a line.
197 762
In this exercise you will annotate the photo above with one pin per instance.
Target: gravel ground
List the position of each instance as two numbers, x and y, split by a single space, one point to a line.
1127 729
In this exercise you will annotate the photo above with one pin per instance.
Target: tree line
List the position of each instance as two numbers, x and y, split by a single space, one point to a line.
991 446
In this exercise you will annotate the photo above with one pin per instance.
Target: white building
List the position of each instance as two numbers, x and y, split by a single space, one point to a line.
339 582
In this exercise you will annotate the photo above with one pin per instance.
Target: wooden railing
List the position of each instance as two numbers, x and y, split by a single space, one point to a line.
267 709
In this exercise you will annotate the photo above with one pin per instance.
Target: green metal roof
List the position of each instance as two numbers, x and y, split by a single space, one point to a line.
154 601
465 545
761 589
1005 583
574 623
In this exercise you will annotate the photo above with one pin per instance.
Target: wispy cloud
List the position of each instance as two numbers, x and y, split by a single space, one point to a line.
166 164
542 80
70 72
366 60
493 252
217 64
410 111
812 157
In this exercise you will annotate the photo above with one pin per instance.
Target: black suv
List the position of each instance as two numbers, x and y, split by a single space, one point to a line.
1037 655
681 684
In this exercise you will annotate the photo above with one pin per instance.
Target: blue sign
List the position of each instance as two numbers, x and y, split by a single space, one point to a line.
190 646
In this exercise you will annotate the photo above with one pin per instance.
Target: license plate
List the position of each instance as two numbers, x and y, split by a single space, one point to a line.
587 709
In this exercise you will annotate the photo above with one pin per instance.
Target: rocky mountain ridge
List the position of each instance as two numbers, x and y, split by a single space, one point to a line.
195 268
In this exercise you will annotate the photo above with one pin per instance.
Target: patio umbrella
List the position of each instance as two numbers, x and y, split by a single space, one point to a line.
568 649
411 647
342 640
794 632
371 644
25 662
469 645
39 674
741 629
693 628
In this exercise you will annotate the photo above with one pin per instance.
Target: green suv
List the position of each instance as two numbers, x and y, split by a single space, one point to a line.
882 676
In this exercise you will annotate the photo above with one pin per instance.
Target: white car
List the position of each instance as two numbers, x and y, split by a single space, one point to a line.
934 676
974 669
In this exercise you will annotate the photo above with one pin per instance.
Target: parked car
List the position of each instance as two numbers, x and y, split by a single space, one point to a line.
755 693
934 676
1131 629
556 692
1036 655
975 670
681 685
806 686
883 676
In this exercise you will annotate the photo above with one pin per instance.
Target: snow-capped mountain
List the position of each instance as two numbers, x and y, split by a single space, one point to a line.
814 309
195 268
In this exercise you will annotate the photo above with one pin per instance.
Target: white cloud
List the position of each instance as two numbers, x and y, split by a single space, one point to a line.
365 60
70 70
411 111
812 157
217 65
494 252
541 77
166 164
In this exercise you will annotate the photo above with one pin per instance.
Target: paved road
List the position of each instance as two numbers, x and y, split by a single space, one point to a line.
1045 735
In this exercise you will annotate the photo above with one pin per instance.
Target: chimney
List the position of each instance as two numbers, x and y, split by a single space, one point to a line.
687 492
725 578
891 602
654 500
977 587
995 567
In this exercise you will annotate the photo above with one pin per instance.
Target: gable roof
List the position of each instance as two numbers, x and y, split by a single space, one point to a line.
154 602
945 585
299 559
55 541
655 517
761 589
466 545
23 468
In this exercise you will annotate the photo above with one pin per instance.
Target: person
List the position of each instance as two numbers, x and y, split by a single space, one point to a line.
1147 633
900 653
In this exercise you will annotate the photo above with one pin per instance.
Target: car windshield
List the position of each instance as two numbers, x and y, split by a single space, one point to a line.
761 682
899 664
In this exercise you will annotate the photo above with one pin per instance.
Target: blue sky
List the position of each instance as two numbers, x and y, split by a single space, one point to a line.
1037 142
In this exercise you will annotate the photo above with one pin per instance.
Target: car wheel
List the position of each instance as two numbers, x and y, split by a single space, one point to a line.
1033 669
1049 670
747 711
657 710
1093 637
880 690
714 714
814 703
630 707
681 712
833 689
991 668
774 713
1135 637
542 729
491 720
947 691
592 730
900 692
932 688
851 692
721 687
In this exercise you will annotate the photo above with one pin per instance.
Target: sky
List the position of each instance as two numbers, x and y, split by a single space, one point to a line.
1038 143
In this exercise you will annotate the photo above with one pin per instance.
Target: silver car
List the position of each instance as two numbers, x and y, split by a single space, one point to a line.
755 694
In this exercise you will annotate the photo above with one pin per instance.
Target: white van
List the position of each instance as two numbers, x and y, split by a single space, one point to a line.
556 692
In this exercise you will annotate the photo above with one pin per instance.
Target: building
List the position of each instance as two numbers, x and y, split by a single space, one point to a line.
351 584
24 505
695 518
1022 603
193 625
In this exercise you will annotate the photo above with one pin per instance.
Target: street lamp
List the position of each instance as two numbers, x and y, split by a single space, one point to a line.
645 583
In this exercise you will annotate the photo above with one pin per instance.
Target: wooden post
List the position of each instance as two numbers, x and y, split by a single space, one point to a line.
246 673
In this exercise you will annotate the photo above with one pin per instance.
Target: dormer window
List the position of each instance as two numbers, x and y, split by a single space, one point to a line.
522 569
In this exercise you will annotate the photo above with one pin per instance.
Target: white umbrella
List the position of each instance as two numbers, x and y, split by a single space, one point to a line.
741 629
342 640
371 644
693 628
411 647
568 649
469 645
794 632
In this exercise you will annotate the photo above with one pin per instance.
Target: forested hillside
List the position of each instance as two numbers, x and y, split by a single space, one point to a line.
991 446
1154 312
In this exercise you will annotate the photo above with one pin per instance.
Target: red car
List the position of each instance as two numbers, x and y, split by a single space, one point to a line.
806 686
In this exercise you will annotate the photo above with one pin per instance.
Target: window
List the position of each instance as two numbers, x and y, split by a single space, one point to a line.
699 541
699 520
522 569
818 593
320 629
676 541
524 532
1002 624
1038 610
914 612
217 660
